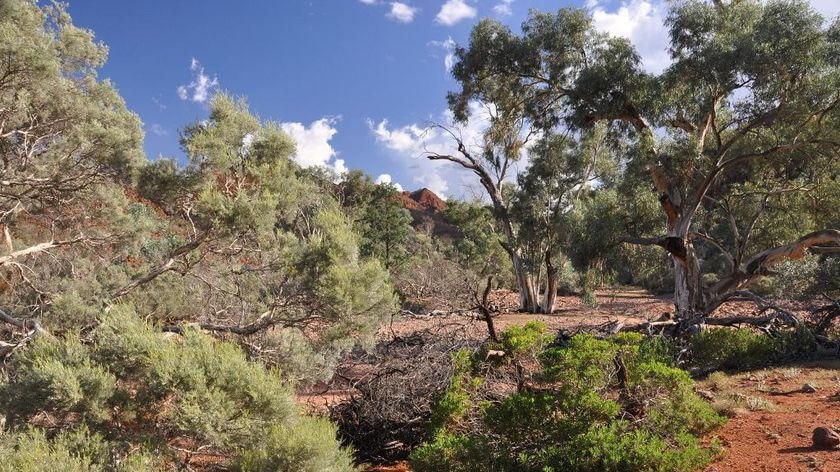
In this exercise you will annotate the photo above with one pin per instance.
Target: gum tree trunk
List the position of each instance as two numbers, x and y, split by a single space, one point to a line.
550 295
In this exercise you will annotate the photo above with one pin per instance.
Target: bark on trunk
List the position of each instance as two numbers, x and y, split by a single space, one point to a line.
688 288
688 292
528 296
550 295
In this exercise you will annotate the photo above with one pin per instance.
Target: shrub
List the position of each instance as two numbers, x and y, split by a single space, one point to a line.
614 404
189 387
75 450
518 340
734 349
58 376
309 446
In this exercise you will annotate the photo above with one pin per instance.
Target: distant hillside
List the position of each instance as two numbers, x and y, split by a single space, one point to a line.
422 200
426 210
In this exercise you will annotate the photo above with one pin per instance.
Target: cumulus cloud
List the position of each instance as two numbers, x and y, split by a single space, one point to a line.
447 45
369 2
454 11
386 179
201 87
402 12
503 8
313 143
410 144
640 21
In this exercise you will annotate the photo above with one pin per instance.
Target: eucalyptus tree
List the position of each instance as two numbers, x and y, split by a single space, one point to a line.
562 170
492 92
752 91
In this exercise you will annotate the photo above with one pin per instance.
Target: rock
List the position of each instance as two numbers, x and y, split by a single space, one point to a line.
808 388
825 438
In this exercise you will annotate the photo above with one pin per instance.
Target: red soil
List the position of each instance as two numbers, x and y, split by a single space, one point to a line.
780 440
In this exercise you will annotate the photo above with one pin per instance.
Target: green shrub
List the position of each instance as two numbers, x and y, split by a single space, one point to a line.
614 404
58 376
455 400
190 386
454 452
735 349
308 446
75 450
518 340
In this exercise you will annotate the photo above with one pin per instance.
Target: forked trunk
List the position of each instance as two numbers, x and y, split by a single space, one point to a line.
526 284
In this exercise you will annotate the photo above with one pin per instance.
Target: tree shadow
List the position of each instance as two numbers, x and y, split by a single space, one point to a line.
801 450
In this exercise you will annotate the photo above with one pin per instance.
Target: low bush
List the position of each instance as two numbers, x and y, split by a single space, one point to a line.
737 349
596 405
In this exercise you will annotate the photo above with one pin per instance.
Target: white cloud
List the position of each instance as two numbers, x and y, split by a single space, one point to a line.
410 144
369 2
157 129
340 167
503 8
447 45
640 21
402 12
386 179
313 143
201 87
454 11
643 23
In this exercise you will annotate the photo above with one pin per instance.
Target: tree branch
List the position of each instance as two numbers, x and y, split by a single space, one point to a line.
165 267
9 258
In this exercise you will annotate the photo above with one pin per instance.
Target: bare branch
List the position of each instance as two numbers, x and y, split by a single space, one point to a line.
7 259
163 268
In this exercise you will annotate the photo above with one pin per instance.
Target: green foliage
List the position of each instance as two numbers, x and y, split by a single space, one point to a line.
57 376
308 447
455 401
737 349
530 337
454 453
385 226
602 405
76 450
191 387
477 248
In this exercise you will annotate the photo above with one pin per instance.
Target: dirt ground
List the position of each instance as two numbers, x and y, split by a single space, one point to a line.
769 431
772 432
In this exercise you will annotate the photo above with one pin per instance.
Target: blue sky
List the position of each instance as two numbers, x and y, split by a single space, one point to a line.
353 81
